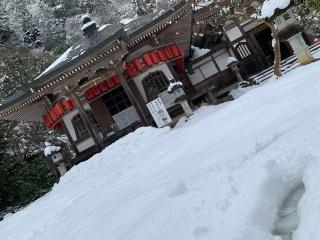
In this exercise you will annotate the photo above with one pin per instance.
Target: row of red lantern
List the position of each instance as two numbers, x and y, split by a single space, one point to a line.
55 114
153 58
102 87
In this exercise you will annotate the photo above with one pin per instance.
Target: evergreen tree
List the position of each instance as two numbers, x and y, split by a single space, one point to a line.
21 180
313 4
19 66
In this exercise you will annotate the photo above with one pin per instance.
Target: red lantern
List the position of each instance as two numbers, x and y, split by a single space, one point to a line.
137 64
115 79
50 120
154 57
131 70
175 51
162 55
168 53
147 60
111 84
96 91
47 120
103 86
58 108
89 94
68 105
53 115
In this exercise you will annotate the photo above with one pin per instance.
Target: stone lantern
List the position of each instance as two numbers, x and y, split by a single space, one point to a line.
54 155
289 29
59 162
176 89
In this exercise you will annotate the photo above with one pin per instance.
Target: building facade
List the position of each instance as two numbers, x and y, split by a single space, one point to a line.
100 89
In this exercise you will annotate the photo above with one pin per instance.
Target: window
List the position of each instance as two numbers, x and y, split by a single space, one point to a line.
208 69
80 127
154 84
196 77
222 61
243 50
116 100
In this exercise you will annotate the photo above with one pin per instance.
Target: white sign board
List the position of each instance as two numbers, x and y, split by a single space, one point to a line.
167 99
126 118
159 112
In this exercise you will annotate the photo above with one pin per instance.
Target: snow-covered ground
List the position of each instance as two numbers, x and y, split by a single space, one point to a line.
221 175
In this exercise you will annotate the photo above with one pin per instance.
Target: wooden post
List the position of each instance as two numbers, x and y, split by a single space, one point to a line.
70 138
131 96
211 98
93 133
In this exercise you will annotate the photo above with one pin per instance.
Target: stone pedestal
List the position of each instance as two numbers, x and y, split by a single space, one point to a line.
238 75
62 168
186 108
301 49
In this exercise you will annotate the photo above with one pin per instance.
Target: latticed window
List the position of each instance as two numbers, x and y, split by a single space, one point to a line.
116 100
155 83
80 127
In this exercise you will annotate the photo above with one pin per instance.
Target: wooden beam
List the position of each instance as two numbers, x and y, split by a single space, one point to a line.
83 114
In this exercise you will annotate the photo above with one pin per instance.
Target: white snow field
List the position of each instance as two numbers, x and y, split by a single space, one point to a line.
221 175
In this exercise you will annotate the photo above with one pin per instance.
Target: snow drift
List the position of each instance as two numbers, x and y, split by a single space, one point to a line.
221 175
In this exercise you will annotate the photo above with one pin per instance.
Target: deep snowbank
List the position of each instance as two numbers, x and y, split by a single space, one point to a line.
221 175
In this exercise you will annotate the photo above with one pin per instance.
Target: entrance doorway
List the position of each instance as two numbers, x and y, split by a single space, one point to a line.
264 40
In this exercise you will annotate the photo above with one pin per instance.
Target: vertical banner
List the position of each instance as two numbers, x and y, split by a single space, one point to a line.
159 112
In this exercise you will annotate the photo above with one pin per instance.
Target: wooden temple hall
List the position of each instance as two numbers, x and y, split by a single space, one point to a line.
117 78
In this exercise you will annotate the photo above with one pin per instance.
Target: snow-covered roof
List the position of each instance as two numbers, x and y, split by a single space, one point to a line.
60 60
199 52
85 16
88 24
126 21
103 27
202 4
139 24
16 94
106 33
173 85
269 7
82 48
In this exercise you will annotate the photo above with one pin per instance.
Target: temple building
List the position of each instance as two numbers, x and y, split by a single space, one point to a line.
116 79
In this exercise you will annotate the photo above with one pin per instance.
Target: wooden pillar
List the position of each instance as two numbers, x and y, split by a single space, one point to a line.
66 130
83 114
131 96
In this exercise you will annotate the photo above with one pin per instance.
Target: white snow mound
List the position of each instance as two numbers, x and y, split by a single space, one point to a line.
269 7
221 175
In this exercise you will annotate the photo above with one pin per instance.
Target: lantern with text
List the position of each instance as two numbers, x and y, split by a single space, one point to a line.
137 64
68 105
